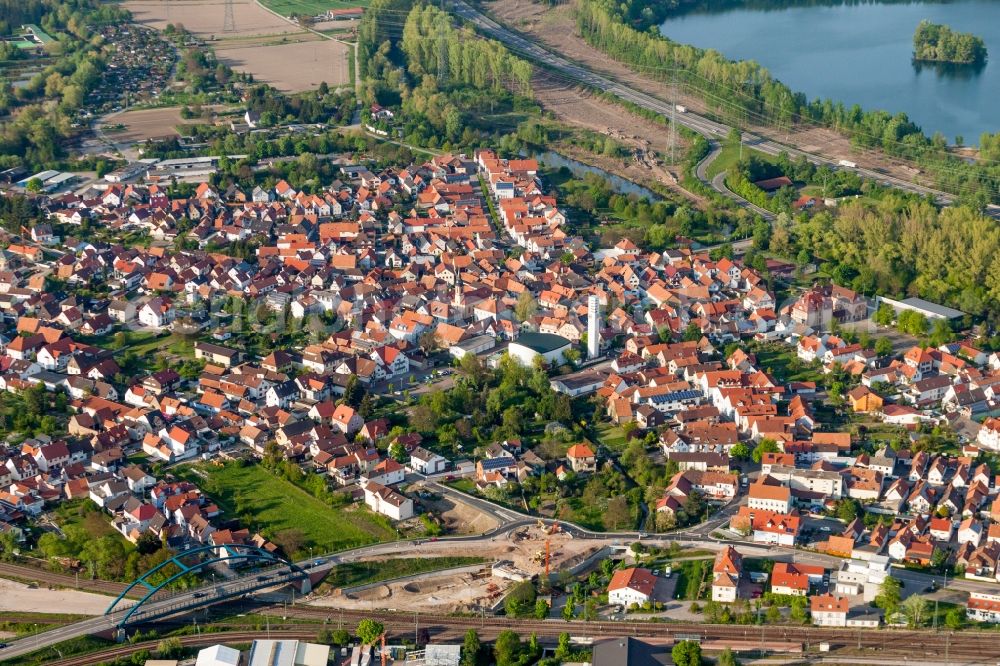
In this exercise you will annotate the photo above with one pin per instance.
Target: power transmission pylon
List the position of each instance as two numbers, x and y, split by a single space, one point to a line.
673 115
229 22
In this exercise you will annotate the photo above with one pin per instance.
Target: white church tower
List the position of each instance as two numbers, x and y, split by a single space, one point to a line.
593 327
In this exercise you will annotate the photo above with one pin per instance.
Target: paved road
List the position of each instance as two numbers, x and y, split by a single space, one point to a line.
719 184
708 128
167 605
508 520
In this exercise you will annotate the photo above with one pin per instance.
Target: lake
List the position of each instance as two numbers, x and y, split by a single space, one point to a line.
863 54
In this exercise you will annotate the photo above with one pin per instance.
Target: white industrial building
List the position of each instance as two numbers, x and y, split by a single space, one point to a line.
218 655
288 653
474 345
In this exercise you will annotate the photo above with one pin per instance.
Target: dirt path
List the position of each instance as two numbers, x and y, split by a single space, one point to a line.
555 28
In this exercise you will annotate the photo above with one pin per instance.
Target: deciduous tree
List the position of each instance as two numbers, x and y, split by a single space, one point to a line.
369 631
470 648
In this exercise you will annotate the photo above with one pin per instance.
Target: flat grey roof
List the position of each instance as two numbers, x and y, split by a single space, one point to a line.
940 310
920 305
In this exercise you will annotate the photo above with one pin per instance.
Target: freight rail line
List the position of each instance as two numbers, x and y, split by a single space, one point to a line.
888 642
186 641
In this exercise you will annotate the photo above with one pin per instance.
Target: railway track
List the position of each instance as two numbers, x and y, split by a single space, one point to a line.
186 641
966 648
969 643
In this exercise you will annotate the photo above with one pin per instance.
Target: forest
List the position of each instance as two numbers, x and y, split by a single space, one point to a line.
38 133
905 247
454 88
435 47
745 91
934 42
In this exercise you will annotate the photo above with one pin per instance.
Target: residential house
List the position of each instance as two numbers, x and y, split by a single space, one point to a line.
388 502
632 586
582 459
727 572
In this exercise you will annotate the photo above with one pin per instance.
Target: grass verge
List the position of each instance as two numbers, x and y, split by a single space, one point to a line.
362 573
273 505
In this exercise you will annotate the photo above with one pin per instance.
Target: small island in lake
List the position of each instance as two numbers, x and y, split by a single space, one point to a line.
933 42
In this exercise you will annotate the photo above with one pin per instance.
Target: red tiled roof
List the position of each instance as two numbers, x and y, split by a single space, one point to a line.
635 578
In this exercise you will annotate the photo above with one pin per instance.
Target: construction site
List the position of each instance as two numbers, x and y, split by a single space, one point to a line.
524 554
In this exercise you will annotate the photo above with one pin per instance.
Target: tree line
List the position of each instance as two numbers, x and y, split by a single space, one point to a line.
451 84
435 47
905 247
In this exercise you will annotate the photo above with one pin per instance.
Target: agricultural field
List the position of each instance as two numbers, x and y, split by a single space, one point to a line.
274 50
291 67
310 7
144 124
207 19
276 507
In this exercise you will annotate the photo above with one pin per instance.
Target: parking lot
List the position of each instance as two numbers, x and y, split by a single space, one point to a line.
816 529
417 383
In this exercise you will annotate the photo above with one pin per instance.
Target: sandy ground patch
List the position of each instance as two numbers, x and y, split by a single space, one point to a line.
579 106
445 593
448 592
19 597
340 26
206 19
292 67
146 124
459 517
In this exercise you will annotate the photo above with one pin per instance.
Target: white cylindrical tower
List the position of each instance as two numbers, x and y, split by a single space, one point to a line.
593 327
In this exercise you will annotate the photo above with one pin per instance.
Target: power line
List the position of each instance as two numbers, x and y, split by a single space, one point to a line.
764 119
732 105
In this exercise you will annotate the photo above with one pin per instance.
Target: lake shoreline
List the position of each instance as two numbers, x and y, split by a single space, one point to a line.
865 54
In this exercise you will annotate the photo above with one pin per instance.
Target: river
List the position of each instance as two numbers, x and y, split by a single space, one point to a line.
555 160
863 54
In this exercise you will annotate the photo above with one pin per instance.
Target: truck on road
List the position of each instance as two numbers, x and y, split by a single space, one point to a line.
848 163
